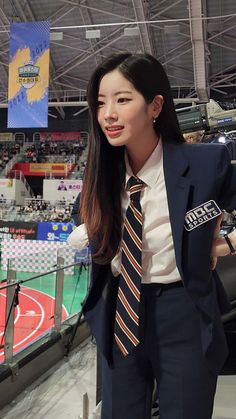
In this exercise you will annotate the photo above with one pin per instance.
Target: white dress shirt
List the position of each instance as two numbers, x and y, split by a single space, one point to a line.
158 255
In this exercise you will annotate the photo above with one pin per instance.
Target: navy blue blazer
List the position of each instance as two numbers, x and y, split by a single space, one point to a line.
194 174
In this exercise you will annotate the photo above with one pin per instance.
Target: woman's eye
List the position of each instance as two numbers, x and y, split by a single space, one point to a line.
100 103
123 100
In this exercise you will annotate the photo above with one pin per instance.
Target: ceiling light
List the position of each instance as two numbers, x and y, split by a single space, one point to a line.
94 33
131 31
56 36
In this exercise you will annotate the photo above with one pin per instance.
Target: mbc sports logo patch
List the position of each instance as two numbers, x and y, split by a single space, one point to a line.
201 214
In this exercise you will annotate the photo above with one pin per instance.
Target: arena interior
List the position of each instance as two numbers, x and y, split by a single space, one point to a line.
49 366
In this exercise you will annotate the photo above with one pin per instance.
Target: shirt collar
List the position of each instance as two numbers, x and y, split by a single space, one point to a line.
150 172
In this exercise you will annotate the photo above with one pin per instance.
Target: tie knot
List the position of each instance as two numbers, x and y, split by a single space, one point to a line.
135 186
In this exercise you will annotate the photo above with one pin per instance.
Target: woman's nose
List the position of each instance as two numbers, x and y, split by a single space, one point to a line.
110 113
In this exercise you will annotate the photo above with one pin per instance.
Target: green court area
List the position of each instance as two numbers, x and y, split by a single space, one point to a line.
74 291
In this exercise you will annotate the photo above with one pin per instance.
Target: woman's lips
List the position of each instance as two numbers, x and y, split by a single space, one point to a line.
114 131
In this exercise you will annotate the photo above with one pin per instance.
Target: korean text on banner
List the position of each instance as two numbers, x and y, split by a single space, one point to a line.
28 75
54 231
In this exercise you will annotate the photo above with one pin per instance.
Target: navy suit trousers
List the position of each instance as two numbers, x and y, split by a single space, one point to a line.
170 352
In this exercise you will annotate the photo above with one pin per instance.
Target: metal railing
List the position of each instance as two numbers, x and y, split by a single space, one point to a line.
10 164
61 305
18 174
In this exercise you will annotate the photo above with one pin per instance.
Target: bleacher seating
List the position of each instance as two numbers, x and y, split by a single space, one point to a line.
41 210
53 151
7 152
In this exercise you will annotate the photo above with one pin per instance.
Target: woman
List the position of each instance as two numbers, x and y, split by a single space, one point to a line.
149 208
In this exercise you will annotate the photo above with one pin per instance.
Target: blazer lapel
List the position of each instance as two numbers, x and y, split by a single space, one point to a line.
177 186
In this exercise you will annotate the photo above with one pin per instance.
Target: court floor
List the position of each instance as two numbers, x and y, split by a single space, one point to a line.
34 315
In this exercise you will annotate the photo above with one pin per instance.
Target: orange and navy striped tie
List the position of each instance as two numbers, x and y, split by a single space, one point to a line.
127 310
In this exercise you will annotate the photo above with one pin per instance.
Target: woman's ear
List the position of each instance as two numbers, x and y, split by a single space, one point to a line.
157 105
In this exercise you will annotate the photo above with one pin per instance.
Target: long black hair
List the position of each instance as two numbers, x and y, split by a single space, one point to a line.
104 176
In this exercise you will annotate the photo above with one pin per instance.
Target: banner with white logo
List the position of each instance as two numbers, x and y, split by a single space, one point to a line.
28 75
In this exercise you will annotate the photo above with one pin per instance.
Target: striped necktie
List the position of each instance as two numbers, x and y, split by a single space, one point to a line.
127 310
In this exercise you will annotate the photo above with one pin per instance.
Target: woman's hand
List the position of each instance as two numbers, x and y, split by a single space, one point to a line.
215 243
219 245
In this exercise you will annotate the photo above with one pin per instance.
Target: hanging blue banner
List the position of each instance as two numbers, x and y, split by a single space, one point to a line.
28 75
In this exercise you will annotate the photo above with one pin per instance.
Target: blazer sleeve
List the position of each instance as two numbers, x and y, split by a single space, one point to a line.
75 211
226 176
